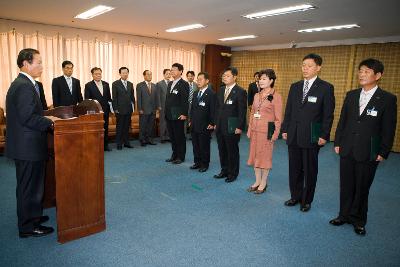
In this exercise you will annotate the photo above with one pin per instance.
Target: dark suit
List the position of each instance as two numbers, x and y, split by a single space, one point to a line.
62 95
148 102
303 155
93 92
161 88
177 98
123 99
202 115
228 144
42 96
353 136
26 143
251 92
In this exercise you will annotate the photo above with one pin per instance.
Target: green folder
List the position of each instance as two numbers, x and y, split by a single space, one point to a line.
233 123
176 112
315 131
271 129
375 147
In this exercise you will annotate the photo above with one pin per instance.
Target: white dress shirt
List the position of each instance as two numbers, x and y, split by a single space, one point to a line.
365 97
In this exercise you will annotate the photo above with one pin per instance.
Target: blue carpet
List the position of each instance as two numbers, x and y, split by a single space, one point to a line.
160 214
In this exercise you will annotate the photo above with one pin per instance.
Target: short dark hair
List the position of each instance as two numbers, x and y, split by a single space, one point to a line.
165 70
270 74
372 64
179 66
233 70
317 58
123 68
190 72
26 54
66 62
144 72
257 73
205 74
94 69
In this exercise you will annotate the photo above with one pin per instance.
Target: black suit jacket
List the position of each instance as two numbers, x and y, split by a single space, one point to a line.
42 96
26 126
251 92
238 108
354 131
299 116
203 111
122 98
61 93
92 92
178 98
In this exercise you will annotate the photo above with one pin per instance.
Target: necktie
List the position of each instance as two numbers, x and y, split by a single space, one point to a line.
363 101
69 82
305 91
199 94
125 84
227 91
37 88
191 93
149 87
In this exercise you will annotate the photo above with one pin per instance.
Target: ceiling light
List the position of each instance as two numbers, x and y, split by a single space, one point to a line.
93 12
185 28
238 38
339 27
279 11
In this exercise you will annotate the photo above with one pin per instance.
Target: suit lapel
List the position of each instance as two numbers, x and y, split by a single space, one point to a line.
375 99
314 86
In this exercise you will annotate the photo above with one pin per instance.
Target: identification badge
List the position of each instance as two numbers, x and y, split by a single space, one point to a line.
312 99
257 115
229 102
202 104
175 92
372 112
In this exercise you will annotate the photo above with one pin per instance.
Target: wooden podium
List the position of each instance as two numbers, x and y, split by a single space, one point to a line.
75 170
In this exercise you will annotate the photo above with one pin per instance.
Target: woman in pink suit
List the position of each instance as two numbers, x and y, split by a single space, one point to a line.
266 110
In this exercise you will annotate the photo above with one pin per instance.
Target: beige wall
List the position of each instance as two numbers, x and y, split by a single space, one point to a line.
340 64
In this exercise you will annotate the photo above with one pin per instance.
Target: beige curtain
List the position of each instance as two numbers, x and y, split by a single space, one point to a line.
109 55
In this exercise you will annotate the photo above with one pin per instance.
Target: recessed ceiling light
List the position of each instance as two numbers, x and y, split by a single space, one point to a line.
185 28
238 37
93 12
279 11
329 28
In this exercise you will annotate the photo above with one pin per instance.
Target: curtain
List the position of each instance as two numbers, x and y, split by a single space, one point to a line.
85 54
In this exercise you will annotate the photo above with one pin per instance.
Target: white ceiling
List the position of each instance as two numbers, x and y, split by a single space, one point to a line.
223 18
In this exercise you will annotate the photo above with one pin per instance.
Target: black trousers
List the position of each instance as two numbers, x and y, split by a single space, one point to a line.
123 125
178 139
303 171
30 189
106 115
355 181
228 147
146 127
201 148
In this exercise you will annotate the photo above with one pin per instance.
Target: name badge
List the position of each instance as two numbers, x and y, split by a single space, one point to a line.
229 102
202 104
372 112
175 92
312 99
257 115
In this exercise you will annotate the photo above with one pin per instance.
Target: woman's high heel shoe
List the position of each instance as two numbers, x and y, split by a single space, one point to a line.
252 189
257 192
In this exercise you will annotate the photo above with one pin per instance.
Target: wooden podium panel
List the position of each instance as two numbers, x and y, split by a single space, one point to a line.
75 171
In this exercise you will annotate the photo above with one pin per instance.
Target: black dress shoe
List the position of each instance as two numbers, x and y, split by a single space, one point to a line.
195 166
163 141
203 169
337 222
128 146
359 230
43 219
305 207
220 175
258 192
169 160
142 143
291 202
37 231
177 161
252 189
151 143
107 148
119 147
230 179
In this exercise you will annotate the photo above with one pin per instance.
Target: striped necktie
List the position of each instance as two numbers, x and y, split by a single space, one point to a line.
305 91
37 88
